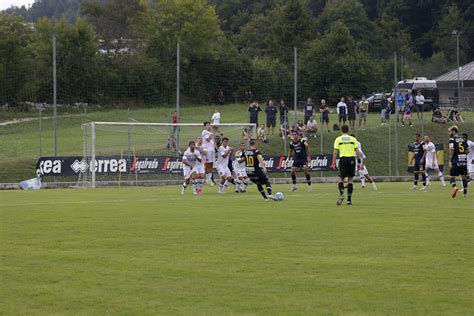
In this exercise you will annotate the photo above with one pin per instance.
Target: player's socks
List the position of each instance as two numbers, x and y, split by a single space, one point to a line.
424 178
350 188
464 184
269 188
262 191
374 185
453 182
362 181
416 176
238 185
341 188
293 179
308 179
441 178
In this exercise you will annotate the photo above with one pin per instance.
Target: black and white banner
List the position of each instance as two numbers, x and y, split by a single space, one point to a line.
73 166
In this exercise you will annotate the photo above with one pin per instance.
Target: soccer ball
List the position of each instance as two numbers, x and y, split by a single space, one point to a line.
279 196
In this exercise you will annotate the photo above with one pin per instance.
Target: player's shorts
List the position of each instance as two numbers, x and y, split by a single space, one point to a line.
199 169
363 115
258 178
210 155
351 116
271 122
240 173
347 167
223 171
325 117
419 167
363 171
457 171
430 164
187 171
300 163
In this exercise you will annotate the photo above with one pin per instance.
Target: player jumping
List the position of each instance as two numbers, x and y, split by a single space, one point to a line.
299 149
208 145
222 165
241 178
430 160
348 149
458 151
190 158
256 169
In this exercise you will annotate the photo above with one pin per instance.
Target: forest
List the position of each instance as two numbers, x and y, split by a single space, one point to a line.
112 52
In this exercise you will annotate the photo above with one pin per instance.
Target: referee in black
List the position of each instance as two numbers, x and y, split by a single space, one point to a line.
348 149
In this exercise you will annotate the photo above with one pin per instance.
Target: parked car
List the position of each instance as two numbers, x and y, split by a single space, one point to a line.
428 88
375 101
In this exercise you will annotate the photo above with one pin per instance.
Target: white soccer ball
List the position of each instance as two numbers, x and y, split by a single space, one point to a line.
279 196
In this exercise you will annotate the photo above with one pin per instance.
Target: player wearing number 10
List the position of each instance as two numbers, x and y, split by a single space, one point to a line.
256 170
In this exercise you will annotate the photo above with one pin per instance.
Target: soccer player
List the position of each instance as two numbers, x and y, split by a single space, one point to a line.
256 170
430 160
222 165
418 153
299 149
241 178
190 157
362 169
208 145
199 167
348 149
458 151
470 158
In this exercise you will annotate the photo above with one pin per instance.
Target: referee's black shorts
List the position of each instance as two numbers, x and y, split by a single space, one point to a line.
347 166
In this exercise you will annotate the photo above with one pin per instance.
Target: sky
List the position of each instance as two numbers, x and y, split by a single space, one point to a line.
5 4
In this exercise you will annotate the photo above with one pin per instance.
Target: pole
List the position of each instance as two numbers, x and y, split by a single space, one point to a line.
176 128
129 134
41 131
55 114
390 149
396 115
401 57
457 53
295 88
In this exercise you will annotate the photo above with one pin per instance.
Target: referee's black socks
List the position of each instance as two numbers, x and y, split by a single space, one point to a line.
350 188
341 188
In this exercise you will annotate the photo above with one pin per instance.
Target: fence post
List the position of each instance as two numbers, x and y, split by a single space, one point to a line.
40 131
295 88
178 52
55 114
396 115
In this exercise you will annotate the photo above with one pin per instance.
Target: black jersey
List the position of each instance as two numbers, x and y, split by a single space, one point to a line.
252 163
299 149
459 150
418 151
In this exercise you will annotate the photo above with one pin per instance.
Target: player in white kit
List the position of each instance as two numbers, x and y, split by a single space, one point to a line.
470 158
362 169
222 165
190 158
241 178
209 146
431 161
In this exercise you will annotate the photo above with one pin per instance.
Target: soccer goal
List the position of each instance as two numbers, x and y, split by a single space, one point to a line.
137 153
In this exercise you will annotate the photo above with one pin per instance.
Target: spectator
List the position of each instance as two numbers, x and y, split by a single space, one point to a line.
254 108
400 104
363 111
220 97
342 111
383 106
308 110
271 112
311 127
301 128
324 110
455 116
407 114
216 121
388 111
351 111
283 114
262 134
438 117
409 100
420 104
174 128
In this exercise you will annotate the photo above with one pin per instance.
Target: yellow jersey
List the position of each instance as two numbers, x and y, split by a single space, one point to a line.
347 145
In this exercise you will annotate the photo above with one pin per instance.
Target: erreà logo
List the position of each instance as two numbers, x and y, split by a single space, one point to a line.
49 166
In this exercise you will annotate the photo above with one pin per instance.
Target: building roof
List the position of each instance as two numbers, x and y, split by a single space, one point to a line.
466 73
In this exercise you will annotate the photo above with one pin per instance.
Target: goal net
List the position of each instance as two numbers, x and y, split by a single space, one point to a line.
137 153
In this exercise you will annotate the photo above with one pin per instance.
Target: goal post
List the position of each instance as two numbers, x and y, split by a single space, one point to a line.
133 153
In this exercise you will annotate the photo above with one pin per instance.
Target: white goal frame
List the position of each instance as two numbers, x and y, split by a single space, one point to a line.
93 125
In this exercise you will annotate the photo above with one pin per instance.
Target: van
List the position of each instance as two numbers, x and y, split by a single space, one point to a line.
428 88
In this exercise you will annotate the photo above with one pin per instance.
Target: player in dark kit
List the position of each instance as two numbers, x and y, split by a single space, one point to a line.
256 170
419 166
458 150
299 149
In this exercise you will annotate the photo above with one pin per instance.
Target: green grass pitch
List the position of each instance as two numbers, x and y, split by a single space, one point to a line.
152 251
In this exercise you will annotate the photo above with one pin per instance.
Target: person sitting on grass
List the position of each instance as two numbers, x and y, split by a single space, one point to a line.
262 134
455 116
312 127
438 117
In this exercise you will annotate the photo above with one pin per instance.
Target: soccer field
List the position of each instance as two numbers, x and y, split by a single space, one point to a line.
153 251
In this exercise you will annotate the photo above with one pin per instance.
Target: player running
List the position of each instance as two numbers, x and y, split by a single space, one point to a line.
299 149
222 165
241 178
190 158
362 169
256 169
209 146
430 160
419 168
348 149
458 151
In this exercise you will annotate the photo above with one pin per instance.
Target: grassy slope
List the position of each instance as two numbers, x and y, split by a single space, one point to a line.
132 251
20 142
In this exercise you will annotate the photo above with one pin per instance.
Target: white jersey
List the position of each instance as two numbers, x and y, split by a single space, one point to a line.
470 157
239 166
430 149
216 118
363 156
221 160
208 139
191 157
202 153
